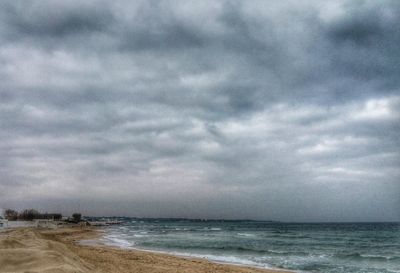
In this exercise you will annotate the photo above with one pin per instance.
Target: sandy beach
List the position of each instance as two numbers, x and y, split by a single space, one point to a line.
43 250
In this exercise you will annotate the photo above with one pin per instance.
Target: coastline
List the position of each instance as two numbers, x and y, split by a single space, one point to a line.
95 243
59 250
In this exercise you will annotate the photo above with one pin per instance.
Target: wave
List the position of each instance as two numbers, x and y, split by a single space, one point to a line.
372 257
247 234
228 259
226 249
316 248
114 240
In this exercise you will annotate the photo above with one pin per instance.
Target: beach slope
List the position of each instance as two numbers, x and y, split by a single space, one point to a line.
40 250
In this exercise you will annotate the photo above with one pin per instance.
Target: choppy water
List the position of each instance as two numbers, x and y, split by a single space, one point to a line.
328 248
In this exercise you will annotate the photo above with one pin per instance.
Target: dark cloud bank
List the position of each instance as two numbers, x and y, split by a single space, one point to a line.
211 109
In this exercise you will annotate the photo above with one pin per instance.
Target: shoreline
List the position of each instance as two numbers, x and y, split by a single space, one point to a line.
96 243
60 250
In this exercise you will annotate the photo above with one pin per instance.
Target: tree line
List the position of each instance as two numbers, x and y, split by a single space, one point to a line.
29 215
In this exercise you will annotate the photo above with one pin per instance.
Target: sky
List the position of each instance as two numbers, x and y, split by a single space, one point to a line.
271 110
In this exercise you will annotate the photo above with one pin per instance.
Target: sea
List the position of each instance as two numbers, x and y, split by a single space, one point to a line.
301 247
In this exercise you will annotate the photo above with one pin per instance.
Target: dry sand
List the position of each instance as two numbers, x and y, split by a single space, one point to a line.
40 250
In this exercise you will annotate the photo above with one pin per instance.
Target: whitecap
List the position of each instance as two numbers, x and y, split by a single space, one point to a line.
246 234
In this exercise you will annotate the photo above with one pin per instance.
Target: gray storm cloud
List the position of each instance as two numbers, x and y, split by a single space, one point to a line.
214 109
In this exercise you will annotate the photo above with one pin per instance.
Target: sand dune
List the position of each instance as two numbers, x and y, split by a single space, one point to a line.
35 250
26 251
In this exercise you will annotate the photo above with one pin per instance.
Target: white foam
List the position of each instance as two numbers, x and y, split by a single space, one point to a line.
225 259
140 235
115 240
246 234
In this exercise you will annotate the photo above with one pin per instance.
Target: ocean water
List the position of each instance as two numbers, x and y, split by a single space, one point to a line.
328 248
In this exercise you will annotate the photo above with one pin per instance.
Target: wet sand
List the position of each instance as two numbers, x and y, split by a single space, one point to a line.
43 250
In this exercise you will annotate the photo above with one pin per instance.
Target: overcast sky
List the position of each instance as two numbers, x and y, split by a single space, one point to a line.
283 110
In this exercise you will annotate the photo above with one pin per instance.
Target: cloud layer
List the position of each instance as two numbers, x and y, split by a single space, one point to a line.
215 109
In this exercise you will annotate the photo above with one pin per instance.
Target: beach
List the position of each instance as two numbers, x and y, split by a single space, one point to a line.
59 250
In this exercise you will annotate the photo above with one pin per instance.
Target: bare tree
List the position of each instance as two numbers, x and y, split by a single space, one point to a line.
10 214
28 214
